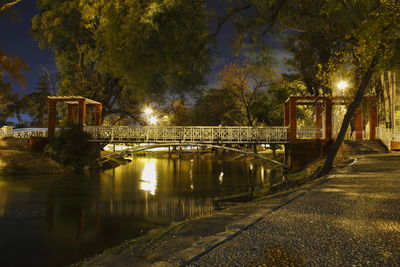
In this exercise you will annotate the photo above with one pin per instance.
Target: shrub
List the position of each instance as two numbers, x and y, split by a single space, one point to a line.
72 148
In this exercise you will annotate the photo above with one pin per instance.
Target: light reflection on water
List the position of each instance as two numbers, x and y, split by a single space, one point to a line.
59 219
149 177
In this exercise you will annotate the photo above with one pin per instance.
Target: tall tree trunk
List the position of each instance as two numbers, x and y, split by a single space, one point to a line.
392 89
386 99
328 164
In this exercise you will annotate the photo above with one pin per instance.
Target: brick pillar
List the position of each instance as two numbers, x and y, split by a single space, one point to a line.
328 118
373 118
51 129
81 112
318 120
71 113
98 113
286 114
358 124
292 119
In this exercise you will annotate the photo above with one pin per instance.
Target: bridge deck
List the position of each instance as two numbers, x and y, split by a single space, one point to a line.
164 134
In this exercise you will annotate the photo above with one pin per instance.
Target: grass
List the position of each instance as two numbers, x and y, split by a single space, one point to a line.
18 162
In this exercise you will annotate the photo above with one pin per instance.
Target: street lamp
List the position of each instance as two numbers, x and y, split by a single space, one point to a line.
148 111
342 85
153 120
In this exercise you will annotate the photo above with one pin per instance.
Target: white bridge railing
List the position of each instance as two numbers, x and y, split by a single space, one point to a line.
8 131
158 134
206 134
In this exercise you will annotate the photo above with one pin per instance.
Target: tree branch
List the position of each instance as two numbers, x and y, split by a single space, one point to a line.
226 18
8 5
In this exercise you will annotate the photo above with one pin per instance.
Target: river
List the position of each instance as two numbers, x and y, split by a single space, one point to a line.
54 220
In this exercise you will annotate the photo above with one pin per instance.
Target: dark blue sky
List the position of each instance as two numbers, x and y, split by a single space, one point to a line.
17 39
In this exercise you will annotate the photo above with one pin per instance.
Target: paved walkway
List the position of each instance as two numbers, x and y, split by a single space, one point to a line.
350 219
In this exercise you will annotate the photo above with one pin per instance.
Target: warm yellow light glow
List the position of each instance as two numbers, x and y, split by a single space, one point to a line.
148 111
149 177
153 120
342 85
221 177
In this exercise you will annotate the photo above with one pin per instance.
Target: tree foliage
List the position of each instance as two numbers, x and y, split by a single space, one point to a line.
245 84
13 65
36 102
6 100
214 108
123 52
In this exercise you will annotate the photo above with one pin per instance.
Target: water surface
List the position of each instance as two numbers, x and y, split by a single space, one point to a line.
54 220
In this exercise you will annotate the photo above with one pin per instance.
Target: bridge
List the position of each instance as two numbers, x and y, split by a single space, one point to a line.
168 134
302 144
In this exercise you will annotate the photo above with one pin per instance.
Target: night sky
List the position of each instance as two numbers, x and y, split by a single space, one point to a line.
17 39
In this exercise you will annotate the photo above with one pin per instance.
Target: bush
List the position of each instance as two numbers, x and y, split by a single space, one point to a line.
72 148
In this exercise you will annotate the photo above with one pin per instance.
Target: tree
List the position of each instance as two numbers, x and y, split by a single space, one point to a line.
358 37
6 100
214 107
36 102
11 64
120 51
72 147
244 84
268 109
61 27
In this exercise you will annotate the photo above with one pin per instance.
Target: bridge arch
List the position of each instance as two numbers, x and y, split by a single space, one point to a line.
147 147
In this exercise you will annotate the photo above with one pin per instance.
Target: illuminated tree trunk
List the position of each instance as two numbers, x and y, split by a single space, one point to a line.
392 88
328 164
386 100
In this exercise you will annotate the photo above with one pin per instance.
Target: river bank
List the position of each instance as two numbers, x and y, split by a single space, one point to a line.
186 241
15 159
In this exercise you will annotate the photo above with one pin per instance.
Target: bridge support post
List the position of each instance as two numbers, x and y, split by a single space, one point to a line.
52 117
81 112
318 120
286 114
292 119
98 114
287 155
358 124
328 118
71 113
373 119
